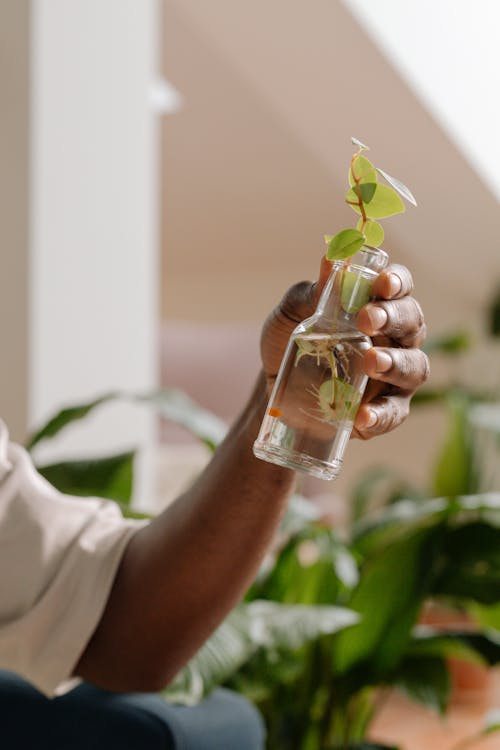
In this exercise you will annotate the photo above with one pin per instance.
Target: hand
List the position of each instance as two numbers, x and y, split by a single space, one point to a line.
396 366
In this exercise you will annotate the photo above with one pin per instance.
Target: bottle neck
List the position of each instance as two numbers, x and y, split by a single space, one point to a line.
349 288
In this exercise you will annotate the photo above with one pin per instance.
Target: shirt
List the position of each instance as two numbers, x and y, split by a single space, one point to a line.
58 559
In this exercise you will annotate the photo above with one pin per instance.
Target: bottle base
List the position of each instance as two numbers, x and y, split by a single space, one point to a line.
297 461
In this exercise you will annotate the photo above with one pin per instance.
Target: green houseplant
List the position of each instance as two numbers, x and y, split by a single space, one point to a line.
330 620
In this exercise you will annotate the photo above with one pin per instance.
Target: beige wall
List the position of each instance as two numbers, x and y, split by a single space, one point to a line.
254 174
14 212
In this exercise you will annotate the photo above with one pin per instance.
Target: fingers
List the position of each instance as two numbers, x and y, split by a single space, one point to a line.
381 415
301 299
401 320
406 369
395 282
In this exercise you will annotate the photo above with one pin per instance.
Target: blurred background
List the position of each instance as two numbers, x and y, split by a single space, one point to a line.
170 167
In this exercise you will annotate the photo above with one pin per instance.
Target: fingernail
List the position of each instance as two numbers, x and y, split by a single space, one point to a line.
395 284
378 318
384 362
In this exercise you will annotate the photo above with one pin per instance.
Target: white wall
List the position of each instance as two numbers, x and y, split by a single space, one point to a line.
93 270
449 53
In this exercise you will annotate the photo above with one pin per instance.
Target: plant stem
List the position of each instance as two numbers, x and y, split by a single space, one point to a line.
357 190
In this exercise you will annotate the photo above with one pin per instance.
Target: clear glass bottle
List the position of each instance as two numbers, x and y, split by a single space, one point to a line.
320 383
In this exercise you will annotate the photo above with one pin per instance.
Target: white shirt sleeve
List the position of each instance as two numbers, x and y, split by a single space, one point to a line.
58 558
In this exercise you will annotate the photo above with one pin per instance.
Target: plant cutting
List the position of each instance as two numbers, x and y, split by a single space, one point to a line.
321 381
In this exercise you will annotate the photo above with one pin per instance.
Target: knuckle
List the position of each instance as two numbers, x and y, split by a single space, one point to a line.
296 303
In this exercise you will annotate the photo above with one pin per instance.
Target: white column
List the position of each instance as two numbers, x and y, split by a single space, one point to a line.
86 319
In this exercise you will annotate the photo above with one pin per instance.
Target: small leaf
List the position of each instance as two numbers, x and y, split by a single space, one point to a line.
385 202
359 144
345 244
374 232
399 186
362 169
367 191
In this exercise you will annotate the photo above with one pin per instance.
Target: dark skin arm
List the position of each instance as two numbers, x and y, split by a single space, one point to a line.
182 574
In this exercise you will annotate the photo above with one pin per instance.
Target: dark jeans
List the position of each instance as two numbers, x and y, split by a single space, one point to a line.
88 718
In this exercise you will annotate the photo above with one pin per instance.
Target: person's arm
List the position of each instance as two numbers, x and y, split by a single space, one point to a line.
181 575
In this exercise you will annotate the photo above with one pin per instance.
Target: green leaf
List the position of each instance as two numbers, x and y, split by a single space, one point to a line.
109 477
374 232
428 641
488 616
455 471
263 626
385 202
169 402
387 599
470 647
364 171
377 486
399 186
366 190
344 244
65 417
469 565
177 407
453 343
356 291
426 680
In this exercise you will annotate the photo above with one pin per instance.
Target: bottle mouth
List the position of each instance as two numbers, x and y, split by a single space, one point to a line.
368 259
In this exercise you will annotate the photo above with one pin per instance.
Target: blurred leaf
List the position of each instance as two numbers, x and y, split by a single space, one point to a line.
387 599
399 186
494 315
385 202
394 522
488 616
455 472
345 244
65 417
169 402
109 477
426 680
177 407
374 232
378 486
469 566
299 515
363 170
268 626
478 648
429 396
452 343
306 570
